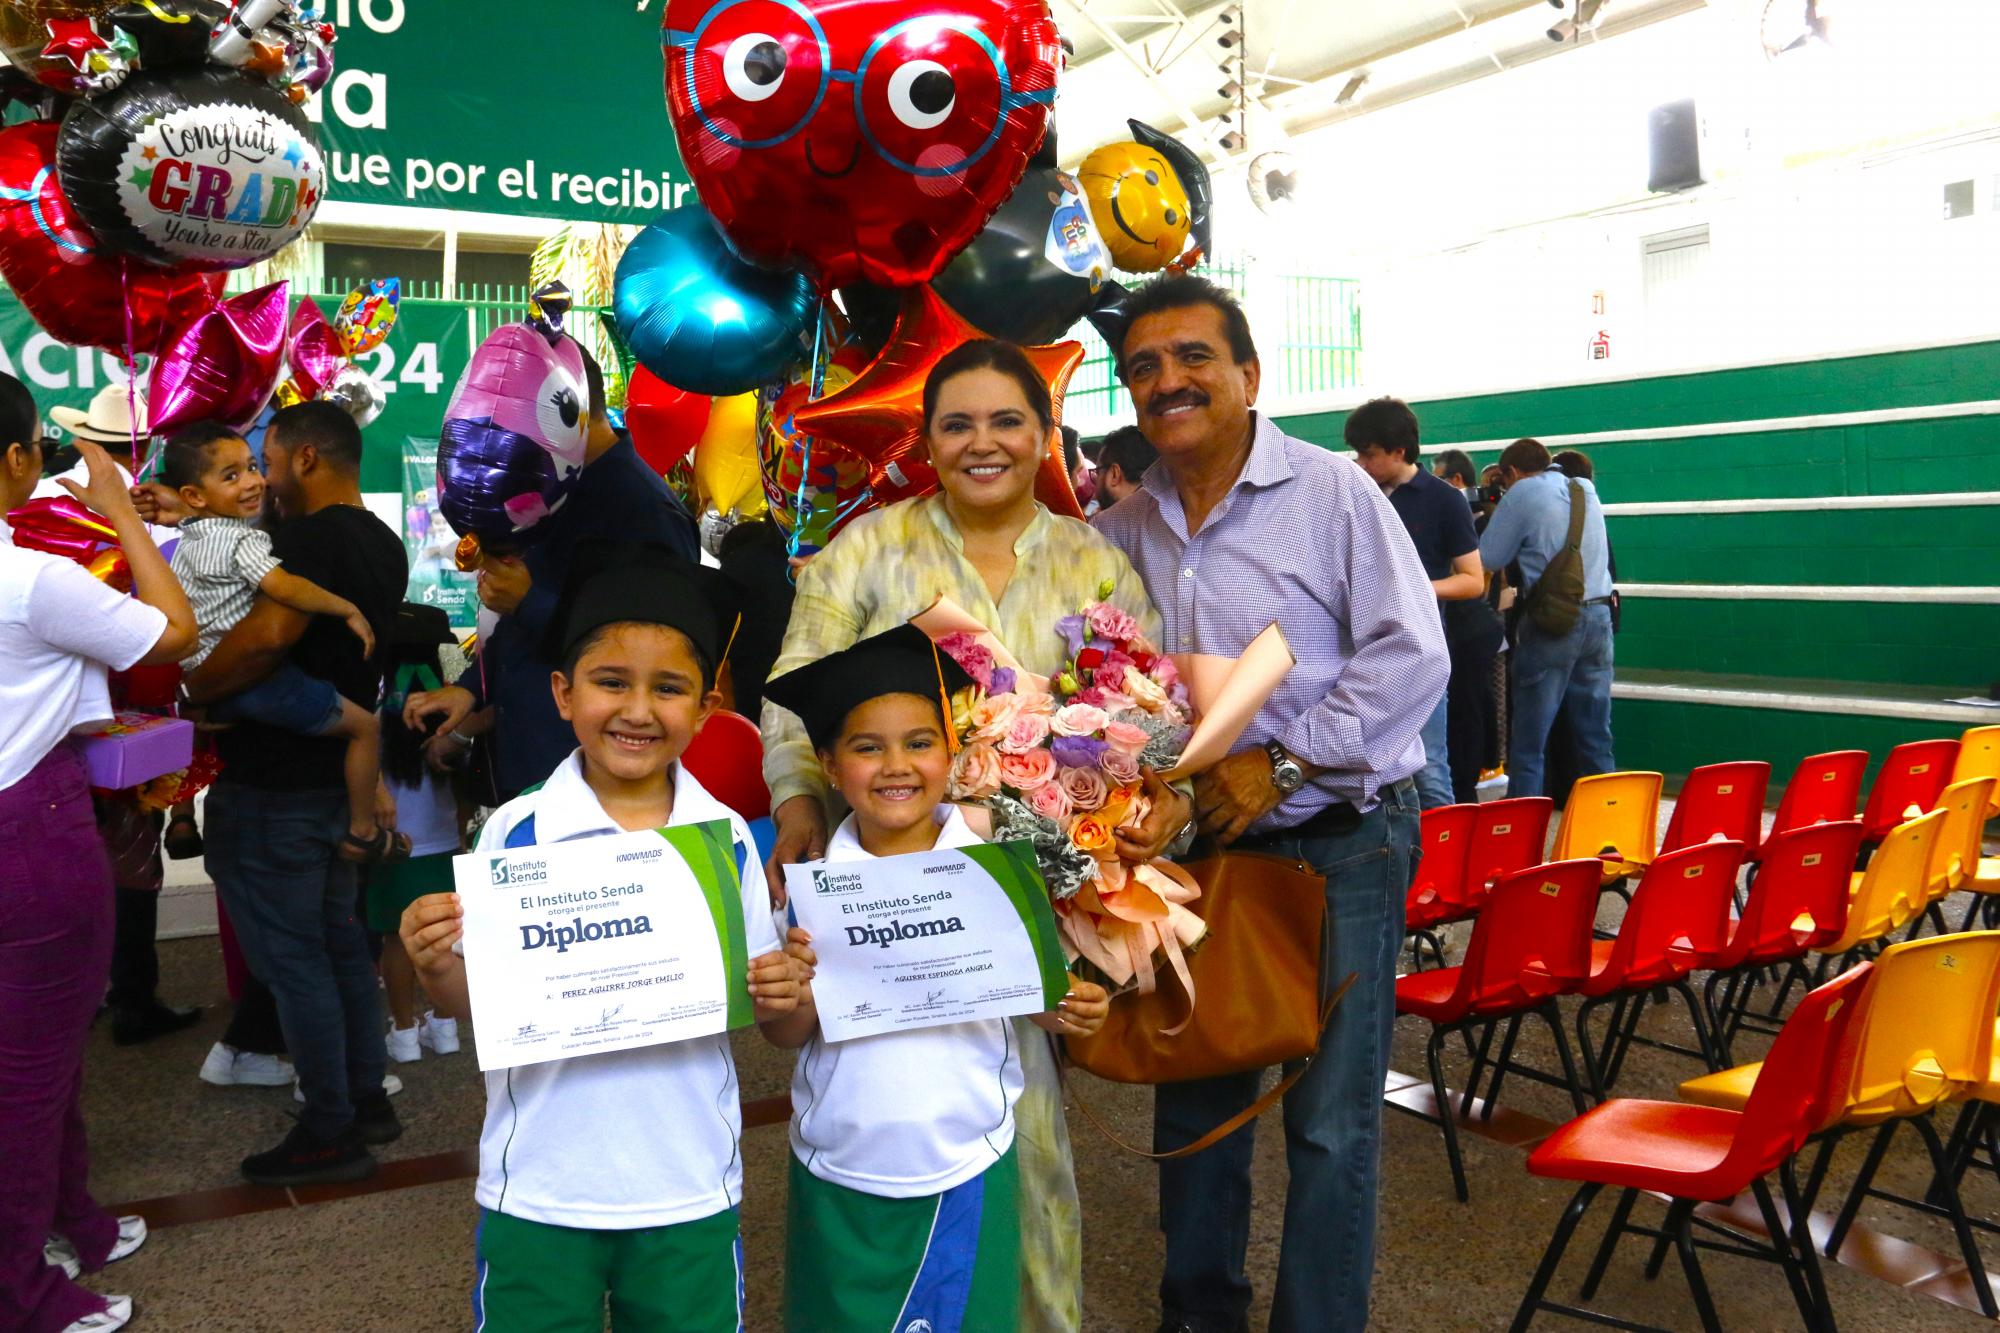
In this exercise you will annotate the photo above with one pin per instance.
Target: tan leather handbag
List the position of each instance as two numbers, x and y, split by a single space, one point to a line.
1261 996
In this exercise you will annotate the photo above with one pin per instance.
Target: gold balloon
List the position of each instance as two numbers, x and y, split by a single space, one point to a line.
1138 203
726 475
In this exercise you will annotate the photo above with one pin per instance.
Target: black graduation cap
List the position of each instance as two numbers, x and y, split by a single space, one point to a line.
613 581
902 660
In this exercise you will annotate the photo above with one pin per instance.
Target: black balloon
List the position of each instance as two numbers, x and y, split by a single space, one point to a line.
197 170
170 32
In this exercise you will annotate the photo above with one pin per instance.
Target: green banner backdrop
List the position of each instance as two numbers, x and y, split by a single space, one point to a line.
511 106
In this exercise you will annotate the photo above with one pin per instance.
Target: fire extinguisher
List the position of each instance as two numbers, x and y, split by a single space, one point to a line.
1600 346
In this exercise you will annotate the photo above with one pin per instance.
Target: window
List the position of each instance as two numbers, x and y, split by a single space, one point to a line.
1674 267
422 270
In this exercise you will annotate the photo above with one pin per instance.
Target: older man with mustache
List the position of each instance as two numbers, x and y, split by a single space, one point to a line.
1239 526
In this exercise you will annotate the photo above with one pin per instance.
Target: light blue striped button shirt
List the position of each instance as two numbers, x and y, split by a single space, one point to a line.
1306 539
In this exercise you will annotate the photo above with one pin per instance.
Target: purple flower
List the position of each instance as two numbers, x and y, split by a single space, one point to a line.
1002 681
1071 629
1077 751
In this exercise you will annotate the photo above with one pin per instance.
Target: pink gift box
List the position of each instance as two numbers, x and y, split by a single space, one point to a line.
135 747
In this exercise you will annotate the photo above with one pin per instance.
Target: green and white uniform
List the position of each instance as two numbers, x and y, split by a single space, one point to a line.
627 1142
903 1207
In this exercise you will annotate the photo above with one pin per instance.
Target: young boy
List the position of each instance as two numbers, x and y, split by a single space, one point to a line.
223 563
902 1206
617 1173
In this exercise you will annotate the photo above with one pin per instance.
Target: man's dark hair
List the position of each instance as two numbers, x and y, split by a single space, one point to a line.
20 419
1526 457
1179 291
185 456
1130 450
593 376
1456 464
1072 449
1384 423
325 426
1575 464
990 354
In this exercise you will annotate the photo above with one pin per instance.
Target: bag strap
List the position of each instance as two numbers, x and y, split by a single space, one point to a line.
1242 1117
1577 508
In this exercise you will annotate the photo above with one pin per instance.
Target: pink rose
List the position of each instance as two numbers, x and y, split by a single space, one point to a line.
993 716
1126 737
1146 692
1080 720
1108 622
1086 790
1091 696
1109 677
1026 732
1114 703
1049 802
975 774
1036 705
1120 767
1166 673
1027 771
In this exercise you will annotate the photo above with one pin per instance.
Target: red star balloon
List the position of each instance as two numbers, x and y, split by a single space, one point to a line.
73 39
880 416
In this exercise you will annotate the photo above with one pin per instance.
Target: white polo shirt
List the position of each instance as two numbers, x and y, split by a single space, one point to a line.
906 1114
59 631
626 1139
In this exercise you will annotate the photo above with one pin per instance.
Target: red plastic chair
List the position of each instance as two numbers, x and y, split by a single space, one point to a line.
1678 919
1507 836
1912 778
1824 789
1437 894
1720 802
1797 903
1698 1154
1530 943
727 757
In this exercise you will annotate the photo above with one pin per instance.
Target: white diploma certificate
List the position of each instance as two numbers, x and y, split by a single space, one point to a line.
948 936
604 944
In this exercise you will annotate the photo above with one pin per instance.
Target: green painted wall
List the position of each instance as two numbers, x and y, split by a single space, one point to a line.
1674 738
1954 648
1928 547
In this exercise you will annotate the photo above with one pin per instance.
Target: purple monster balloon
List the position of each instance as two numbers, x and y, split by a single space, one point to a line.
513 441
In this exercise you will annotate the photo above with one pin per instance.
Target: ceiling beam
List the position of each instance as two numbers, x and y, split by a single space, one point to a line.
1138 61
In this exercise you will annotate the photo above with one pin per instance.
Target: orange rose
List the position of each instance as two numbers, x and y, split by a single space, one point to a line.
1117 806
1092 835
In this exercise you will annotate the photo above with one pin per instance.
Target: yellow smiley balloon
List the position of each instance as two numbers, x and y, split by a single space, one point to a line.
1138 203
726 473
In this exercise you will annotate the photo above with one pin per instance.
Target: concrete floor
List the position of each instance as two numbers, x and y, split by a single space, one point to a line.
401 1259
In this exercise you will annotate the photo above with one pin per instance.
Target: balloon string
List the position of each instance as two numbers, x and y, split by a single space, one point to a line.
131 362
806 443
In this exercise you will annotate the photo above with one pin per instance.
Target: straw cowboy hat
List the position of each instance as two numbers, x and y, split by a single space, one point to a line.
109 420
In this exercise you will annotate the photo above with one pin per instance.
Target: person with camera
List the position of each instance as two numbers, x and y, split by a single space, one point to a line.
1553 526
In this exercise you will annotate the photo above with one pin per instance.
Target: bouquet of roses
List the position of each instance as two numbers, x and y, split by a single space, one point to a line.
1059 763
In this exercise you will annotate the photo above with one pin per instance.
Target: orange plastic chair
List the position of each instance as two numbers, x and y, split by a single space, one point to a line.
1955 859
1437 894
1695 1154
1823 789
1678 919
1797 903
1507 836
1614 817
727 757
1530 943
1720 802
1895 888
1979 757
1912 777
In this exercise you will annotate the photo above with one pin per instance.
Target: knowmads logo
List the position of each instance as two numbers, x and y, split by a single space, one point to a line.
827 883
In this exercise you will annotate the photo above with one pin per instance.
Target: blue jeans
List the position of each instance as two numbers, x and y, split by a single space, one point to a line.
1333 1116
291 899
1571 675
1434 778
288 699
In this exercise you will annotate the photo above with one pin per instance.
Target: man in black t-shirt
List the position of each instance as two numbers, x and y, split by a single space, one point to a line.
277 812
1383 436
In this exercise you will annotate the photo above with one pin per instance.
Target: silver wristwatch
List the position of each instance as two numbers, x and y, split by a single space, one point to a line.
1286 775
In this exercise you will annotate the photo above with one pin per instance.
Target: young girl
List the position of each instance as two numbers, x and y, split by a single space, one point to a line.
902 1206
617 1174
423 655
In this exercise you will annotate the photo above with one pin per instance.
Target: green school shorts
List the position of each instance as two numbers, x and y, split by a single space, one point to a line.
394 885
537 1278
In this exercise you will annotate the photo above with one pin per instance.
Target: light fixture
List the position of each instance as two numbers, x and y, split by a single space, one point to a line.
1564 31
1232 142
1556 3
1228 91
1350 88
1229 41
1571 29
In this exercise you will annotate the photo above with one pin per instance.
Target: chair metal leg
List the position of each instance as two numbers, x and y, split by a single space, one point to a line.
1610 1243
1614 1060
1682 1228
1545 1271
1802 1243
1859 1190
1971 910
1446 1120
1587 1047
1959 1148
1795 1277
1552 1015
1500 1067
1478 1067
1703 1039
1968 1246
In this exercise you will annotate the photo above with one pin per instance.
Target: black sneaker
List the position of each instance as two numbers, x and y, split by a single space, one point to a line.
306 1159
142 1023
375 1120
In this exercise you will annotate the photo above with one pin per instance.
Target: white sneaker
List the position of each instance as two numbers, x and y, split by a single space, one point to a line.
114 1316
403 1045
440 1034
131 1235
390 1084
57 1252
227 1067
